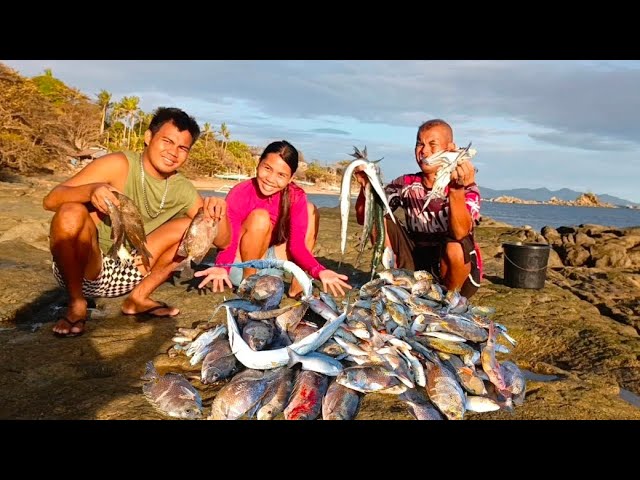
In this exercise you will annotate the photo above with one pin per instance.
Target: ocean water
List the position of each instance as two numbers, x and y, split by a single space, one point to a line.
537 216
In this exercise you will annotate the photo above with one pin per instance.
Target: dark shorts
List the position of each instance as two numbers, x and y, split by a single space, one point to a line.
116 278
413 257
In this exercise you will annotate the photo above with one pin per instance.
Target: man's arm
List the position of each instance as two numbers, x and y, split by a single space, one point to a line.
460 220
460 223
91 184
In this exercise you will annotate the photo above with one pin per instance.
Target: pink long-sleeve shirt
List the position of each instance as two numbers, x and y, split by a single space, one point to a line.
245 197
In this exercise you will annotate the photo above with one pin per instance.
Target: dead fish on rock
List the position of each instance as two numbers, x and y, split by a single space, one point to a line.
171 394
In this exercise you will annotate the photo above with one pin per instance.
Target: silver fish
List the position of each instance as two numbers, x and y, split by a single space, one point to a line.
277 394
340 403
240 396
419 405
306 399
268 291
478 404
171 394
220 363
370 378
257 334
316 362
197 241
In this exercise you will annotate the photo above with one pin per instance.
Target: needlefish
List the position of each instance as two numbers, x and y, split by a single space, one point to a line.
374 195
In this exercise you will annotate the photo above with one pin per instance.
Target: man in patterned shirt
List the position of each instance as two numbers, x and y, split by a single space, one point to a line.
440 239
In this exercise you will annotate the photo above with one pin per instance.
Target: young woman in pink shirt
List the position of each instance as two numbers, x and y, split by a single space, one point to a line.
270 217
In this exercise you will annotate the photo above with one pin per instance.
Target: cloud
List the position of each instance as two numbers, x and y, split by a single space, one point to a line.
518 114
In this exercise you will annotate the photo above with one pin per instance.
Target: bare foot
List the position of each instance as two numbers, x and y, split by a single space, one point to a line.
149 307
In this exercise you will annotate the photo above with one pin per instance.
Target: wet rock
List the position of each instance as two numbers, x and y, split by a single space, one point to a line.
579 328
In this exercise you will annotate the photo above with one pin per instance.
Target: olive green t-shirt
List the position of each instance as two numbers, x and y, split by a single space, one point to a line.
181 195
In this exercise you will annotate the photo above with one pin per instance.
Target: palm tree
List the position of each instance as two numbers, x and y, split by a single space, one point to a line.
104 101
226 135
206 131
128 110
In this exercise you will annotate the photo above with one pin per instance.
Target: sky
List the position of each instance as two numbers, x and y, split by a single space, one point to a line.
534 123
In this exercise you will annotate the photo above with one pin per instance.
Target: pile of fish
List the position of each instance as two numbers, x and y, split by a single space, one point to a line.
403 335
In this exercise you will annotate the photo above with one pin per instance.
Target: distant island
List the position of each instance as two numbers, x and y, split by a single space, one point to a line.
583 200
555 197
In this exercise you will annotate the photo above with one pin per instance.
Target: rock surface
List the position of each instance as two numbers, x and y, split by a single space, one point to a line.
577 337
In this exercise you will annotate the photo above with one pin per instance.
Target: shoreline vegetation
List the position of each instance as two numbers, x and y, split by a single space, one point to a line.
219 185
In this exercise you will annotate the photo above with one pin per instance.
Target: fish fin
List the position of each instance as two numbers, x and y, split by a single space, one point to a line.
150 373
182 250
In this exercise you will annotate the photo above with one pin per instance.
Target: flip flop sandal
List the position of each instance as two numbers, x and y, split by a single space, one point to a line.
77 323
148 313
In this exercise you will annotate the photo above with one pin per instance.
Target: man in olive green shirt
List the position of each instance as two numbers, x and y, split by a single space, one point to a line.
80 237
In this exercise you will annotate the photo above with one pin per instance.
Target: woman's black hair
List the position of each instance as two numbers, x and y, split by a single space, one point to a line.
289 154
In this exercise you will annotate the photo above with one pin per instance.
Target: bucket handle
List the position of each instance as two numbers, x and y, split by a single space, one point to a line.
525 269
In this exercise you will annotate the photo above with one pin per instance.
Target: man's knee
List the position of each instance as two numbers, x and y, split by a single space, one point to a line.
69 219
258 221
454 256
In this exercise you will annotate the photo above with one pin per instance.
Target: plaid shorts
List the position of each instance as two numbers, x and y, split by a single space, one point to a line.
116 278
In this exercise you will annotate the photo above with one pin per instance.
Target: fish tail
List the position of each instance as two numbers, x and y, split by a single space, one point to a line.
293 357
145 255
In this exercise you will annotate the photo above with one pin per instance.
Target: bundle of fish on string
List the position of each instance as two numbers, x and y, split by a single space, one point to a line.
404 335
448 162
374 209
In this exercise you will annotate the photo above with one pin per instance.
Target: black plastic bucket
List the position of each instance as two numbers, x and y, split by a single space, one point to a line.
525 264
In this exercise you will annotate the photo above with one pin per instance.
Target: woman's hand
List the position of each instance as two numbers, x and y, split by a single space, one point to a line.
215 207
217 275
335 281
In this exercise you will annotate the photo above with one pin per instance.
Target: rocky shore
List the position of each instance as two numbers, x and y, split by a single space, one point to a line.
578 337
584 200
